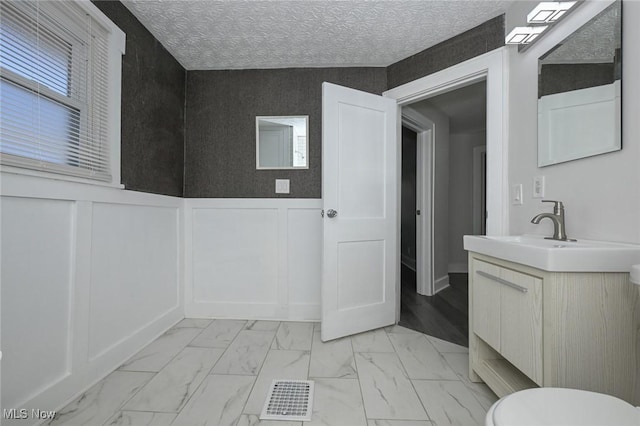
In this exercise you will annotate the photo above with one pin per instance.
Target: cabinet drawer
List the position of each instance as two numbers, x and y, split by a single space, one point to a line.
486 303
508 315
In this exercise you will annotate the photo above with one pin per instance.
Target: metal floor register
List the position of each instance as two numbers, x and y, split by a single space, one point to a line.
289 400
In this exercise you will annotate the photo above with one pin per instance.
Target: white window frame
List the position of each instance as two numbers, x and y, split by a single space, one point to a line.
116 48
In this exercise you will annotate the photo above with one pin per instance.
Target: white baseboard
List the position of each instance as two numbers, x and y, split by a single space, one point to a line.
459 268
266 312
409 262
440 284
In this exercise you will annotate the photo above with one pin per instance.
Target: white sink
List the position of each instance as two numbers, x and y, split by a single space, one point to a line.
557 256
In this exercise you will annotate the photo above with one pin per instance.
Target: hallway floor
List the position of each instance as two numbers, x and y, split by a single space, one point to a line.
217 372
444 315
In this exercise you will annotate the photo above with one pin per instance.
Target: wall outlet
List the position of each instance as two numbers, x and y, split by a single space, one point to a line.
538 187
282 186
516 195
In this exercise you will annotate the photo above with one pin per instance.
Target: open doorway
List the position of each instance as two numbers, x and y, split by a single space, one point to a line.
443 192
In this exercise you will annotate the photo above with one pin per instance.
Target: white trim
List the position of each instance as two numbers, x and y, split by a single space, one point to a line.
116 34
424 198
440 284
491 67
248 203
4 168
477 213
116 48
409 262
116 51
306 123
23 186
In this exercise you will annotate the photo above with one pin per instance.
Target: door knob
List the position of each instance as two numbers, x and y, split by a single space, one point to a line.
332 213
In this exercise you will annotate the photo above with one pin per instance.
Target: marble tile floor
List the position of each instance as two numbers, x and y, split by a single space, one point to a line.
217 372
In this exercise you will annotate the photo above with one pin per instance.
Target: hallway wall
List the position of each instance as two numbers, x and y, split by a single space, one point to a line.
461 194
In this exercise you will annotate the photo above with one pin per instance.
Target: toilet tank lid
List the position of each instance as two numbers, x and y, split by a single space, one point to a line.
570 407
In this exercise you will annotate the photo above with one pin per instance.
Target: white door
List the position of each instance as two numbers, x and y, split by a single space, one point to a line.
360 199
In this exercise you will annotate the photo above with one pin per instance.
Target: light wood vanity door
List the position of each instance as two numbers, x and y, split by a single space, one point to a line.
521 322
486 303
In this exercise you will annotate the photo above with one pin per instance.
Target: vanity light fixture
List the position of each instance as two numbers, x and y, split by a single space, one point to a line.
524 35
549 11
546 12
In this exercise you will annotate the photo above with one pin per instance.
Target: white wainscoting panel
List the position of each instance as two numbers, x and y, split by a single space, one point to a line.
235 256
586 121
253 258
90 275
134 270
304 262
37 250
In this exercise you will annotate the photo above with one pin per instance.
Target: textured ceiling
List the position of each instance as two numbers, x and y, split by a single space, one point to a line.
241 34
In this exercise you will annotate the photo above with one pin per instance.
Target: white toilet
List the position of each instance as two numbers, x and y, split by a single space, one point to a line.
561 407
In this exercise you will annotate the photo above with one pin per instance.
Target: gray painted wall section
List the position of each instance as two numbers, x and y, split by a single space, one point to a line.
559 78
461 146
408 198
477 41
211 154
153 100
220 155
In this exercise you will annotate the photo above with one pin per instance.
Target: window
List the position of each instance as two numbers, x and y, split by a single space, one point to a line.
59 86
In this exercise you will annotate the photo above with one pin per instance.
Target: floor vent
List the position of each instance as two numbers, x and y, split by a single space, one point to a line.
289 400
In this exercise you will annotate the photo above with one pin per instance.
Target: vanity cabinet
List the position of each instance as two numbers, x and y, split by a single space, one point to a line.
508 315
529 328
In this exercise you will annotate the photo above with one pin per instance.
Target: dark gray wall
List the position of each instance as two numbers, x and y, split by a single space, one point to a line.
153 98
220 155
222 106
408 197
481 39
559 78
214 148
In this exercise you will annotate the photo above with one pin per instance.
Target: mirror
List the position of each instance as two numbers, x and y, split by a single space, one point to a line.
282 142
579 92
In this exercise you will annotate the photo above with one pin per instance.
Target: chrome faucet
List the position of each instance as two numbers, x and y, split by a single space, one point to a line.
557 217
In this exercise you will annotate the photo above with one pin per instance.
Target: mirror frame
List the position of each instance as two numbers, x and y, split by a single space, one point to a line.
258 117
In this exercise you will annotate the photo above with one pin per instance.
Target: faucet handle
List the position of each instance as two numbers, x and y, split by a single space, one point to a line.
558 206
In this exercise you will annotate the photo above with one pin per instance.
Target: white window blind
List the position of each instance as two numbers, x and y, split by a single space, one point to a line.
54 64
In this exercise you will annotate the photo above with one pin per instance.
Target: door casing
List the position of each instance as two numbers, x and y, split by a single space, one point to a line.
492 67
424 198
